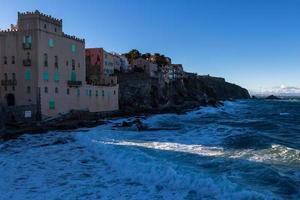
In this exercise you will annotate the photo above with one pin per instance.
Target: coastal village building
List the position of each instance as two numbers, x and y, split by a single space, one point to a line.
43 71
100 67
124 63
175 72
99 62
146 66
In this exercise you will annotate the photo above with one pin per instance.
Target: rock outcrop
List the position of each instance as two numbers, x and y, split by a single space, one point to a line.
140 93
272 97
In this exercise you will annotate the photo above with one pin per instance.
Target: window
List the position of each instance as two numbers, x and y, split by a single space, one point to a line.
46 76
5 60
56 61
55 29
68 91
45 60
78 92
87 92
28 90
73 48
52 105
27 39
5 88
45 26
56 76
13 60
73 64
13 88
56 90
78 65
28 56
14 76
103 93
90 93
67 63
28 75
5 76
51 42
114 92
96 93
46 89
73 76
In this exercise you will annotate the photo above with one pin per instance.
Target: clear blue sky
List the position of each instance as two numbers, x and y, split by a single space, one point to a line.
254 43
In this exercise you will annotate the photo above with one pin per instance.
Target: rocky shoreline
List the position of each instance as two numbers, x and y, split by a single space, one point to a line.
76 120
141 95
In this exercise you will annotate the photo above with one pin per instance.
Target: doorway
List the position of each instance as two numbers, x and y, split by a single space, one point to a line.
10 98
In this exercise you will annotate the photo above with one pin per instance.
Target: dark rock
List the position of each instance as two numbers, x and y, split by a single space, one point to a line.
272 97
139 93
212 102
125 124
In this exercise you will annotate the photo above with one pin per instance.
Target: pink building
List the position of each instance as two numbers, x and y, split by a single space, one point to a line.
43 71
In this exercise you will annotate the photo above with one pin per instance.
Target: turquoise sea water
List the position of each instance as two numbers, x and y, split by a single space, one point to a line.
244 150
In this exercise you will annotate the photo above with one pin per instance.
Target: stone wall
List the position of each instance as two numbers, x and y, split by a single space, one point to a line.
26 113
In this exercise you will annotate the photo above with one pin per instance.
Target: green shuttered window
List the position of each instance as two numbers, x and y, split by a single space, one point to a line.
56 76
73 76
73 48
51 42
52 105
28 75
46 76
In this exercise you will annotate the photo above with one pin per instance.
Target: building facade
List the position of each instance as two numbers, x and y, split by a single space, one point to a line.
100 67
146 66
44 69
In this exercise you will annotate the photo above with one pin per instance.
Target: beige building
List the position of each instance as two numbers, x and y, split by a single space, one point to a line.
43 71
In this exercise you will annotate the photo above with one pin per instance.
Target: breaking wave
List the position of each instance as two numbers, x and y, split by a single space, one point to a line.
242 150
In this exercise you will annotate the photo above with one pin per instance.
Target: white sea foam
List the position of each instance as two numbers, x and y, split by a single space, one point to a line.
284 114
162 176
108 162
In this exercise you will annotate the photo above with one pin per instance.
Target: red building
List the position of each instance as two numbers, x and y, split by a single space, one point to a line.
94 63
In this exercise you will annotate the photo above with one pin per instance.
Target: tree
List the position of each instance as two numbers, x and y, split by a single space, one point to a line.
159 59
132 55
146 55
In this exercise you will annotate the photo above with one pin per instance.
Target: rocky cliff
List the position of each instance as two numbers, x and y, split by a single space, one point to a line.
139 93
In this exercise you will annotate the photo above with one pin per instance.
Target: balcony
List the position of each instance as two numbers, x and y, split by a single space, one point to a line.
26 46
27 62
11 82
74 83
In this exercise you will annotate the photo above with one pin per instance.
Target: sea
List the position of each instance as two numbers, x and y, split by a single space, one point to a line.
246 149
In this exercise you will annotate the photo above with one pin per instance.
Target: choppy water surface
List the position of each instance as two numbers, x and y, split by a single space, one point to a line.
244 150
